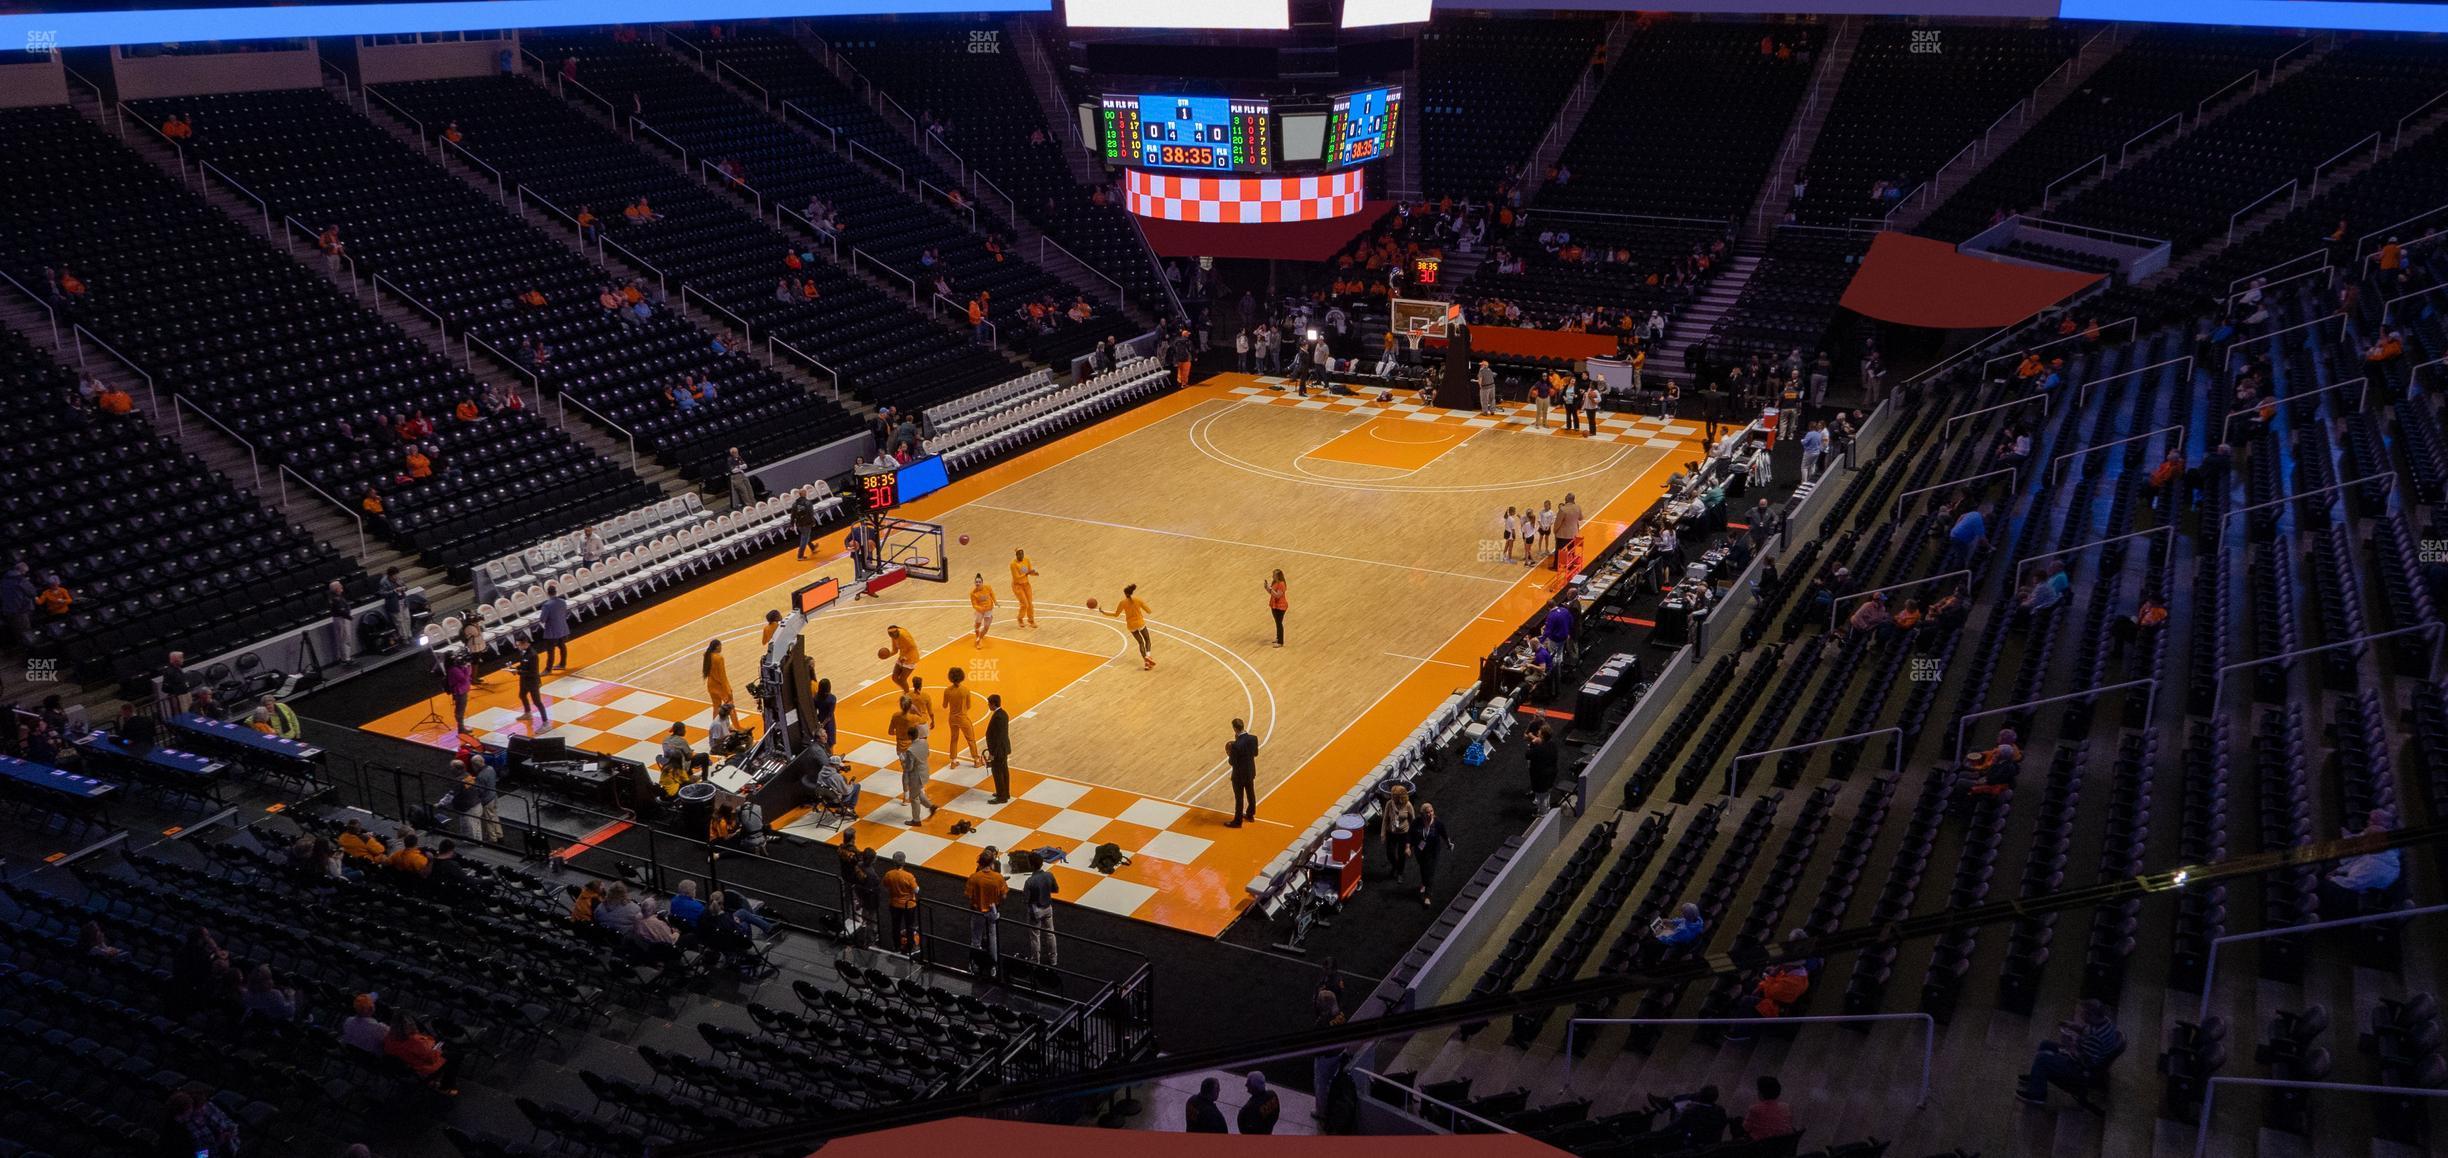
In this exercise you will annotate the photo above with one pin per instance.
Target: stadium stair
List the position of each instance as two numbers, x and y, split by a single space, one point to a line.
1826 79
1576 107
2043 100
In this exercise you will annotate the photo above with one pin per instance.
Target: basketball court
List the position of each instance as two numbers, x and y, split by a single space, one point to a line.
1382 517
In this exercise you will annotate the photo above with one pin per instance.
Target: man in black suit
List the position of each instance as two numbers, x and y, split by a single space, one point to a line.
1241 753
998 748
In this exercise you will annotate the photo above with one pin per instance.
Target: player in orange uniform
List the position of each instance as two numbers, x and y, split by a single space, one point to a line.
904 653
958 702
981 607
1134 613
1022 571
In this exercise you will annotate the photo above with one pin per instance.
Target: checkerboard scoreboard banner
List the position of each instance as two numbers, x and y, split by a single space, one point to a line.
1246 200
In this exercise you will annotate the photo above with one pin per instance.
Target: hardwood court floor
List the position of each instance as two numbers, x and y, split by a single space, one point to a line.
1382 518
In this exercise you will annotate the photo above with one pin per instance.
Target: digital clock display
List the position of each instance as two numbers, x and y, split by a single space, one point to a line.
1361 126
1212 134
882 488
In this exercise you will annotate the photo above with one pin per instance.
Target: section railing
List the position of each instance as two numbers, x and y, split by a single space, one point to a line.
82 335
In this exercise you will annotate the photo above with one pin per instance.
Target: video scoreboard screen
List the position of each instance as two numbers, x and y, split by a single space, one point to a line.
1361 126
1205 134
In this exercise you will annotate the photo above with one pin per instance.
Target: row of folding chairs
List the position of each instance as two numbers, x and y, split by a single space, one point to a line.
970 446
967 406
552 557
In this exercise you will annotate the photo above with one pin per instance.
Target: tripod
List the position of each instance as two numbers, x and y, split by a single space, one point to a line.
433 715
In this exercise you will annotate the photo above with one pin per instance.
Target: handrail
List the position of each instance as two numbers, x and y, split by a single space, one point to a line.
857 253
856 148
637 261
2434 235
804 356
2201 1137
884 98
2091 231
1011 206
762 91
2388 230
1372 1076
670 38
289 228
501 184
77 330
2042 398
1929 1026
102 99
2232 283
2013 484
1963 723
2398 141
1895 750
2342 154
336 70
635 123
2168 529
285 473
830 238
2388 308
2362 401
1711 222
2252 78
525 191
2279 59
424 144
2227 362
2049 194
533 379
2180 429
610 110
2289 189
404 295
178 416
1121 295
834 133
2133 322
1960 572
736 183
931 140
747 336
2313 272
48 309
994 336
563 398
2123 150
955 203
2210 957
2218 687
204 166
2082 393
180 149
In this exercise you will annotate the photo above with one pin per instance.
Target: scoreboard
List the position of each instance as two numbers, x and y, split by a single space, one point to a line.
1361 126
1200 133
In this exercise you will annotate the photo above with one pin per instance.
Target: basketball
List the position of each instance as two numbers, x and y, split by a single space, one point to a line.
883 653
964 540
1092 605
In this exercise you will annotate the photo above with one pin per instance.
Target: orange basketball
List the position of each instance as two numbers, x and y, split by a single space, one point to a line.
883 653
1092 605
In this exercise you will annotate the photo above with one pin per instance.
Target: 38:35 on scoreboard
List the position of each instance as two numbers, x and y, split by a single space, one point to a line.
1203 133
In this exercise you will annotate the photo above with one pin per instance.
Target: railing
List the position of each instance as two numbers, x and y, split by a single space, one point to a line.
203 166
2388 309
663 282
1895 751
2201 1136
2180 431
2218 688
82 335
2049 194
380 284
925 186
2363 243
354 515
771 343
829 237
1929 1037
833 134
501 184
175 147
524 193
2133 330
736 183
1011 207
2373 140
289 230
178 408
671 38
2091 231
2227 361
345 85
722 66
2042 398
2234 218
49 310
610 110
2014 482
2397 141
1963 724
877 158
994 337
857 253
2167 529
747 336
2321 254
2361 384
1370 1079
2280 59
2125 150
635 124
2251 80
424 142
1121 295
562 397
931 140
884 98
102 101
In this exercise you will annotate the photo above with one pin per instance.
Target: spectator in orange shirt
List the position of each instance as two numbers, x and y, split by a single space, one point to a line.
533 299
70 283
466 410
451 133
631 294
114 400
985 890
409 858
178 127
2389 348
54 598
372 503
419 465
807 290
586 223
